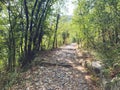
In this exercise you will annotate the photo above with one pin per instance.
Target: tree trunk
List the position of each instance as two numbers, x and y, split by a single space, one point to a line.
31 27
11 45
26 35
27 26
116 36
37 37
55 34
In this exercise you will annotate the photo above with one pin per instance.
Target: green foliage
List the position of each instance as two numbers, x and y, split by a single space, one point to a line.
29 26
8 79
26 26
97 27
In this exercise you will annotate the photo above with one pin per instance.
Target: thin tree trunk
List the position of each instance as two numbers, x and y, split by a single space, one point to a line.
22 30
26 35
31 27
116 36
103 36
27 26
39 32
38 9
55 34
11 47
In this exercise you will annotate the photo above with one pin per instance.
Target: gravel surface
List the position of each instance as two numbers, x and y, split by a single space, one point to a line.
59 69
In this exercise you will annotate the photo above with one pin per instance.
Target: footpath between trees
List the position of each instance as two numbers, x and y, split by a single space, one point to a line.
58 69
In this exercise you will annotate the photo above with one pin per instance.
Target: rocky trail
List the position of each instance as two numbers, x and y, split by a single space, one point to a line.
59 69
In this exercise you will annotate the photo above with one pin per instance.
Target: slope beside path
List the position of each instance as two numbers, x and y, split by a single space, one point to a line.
59 69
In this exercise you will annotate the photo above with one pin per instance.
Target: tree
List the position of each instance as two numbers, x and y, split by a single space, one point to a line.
55 34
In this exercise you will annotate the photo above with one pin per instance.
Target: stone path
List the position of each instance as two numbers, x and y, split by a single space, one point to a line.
59 69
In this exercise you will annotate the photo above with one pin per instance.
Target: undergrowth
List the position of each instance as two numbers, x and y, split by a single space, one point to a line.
7 79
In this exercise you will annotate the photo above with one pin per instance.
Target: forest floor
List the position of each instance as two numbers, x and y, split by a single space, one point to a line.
58 69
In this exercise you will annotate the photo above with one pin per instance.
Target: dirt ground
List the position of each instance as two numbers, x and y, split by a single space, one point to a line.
58 69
